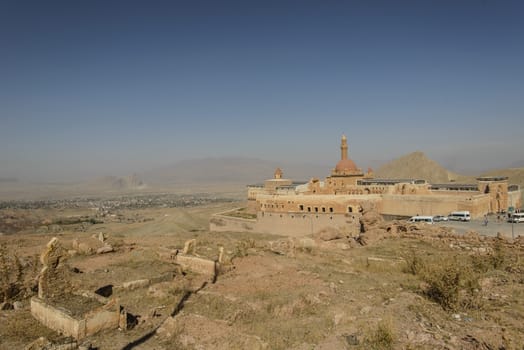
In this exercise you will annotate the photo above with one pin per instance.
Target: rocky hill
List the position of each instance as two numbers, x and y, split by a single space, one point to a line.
515 175
417 165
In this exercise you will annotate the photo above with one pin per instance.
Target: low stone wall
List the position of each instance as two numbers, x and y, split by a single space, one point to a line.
298 225
142 283
224 223
57 319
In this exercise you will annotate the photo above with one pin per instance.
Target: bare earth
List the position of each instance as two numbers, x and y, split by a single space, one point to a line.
421 291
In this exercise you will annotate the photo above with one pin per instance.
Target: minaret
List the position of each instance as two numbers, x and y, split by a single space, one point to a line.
344 148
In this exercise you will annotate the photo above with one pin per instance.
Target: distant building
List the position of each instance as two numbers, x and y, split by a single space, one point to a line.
282 206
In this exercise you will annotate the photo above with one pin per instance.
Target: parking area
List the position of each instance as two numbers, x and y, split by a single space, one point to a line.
491 229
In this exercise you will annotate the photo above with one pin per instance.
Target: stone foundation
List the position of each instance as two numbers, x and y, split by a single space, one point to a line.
59 319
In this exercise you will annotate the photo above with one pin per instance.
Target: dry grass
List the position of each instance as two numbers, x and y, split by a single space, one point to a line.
382 337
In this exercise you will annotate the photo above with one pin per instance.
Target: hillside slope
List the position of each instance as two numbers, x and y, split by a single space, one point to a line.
417 165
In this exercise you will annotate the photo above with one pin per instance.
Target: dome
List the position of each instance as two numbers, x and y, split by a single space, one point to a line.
346 165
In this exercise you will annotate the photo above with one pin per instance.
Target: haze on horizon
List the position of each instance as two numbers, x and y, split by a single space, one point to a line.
115 87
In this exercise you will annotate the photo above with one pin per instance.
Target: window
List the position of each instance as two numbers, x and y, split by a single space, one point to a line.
350 210
331 209
323 209
301 207
309 209
316 209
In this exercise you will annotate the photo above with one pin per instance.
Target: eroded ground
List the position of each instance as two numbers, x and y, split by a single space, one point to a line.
408 291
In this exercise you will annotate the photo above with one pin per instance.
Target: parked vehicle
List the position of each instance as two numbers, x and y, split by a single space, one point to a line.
459 216
438 218
516 217
424 219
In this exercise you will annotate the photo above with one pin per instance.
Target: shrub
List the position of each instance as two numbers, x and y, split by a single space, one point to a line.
452 284
381 338
414 264
498 257
444 285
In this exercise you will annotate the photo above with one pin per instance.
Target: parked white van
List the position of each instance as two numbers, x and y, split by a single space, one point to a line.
425 219
516 217
460 216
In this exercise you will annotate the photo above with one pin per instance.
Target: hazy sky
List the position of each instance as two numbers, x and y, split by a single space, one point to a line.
93 87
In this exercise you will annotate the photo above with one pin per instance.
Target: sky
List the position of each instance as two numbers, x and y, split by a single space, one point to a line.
91 88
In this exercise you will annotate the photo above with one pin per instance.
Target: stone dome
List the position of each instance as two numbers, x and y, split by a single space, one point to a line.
346 165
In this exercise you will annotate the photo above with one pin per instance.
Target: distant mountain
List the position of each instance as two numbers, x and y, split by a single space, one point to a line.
515 175
417 165
229 170
518 164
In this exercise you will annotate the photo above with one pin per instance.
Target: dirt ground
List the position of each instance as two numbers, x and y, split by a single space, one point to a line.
402 292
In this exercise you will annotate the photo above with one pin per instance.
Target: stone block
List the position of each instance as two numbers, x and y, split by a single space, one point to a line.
196 264
78 327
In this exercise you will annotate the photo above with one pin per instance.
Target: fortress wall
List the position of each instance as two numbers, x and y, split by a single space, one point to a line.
300 224
287 224
515 199
252 206
321 204
410 205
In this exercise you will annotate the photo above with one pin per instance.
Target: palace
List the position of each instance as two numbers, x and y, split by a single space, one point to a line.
289 208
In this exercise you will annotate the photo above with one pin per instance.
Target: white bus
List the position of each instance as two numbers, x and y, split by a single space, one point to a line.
425 219
516 217
459 216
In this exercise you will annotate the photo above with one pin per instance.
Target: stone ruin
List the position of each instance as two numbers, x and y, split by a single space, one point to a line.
79 316
96 244
58 308
54 281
